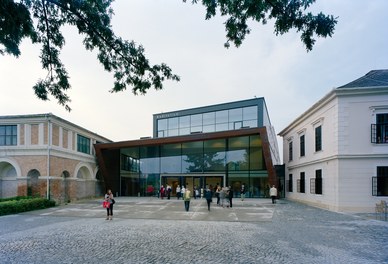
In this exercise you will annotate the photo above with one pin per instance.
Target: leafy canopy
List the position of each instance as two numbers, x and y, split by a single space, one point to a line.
41 21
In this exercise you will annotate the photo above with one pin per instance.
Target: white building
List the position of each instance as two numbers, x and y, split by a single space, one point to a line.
43 154
336 153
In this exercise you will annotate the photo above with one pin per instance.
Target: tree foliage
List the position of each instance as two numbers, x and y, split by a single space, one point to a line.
287 14
41 21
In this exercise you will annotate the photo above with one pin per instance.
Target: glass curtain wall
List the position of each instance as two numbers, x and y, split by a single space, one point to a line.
239 158
223 120
129 170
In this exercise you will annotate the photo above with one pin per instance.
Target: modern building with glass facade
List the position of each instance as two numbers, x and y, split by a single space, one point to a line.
227 144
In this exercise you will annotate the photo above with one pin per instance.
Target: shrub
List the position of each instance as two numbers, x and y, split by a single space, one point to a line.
19 205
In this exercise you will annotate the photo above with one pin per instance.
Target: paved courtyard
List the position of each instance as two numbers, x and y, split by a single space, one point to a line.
150 230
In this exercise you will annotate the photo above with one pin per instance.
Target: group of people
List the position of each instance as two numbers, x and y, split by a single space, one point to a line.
165 191
224 196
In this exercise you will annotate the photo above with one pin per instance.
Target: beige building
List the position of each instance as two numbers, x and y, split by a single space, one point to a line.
336 152
45 155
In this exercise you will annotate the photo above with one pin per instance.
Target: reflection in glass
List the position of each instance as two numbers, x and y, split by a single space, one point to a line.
214 155
250 123
173 132
237 155
184 121
209 118
173 123
209 128
256 154
222 127
222 117
196 129
149 159
192 156
184 131
235 114
170 160
196 120
259 185
236 180
162 124
250 112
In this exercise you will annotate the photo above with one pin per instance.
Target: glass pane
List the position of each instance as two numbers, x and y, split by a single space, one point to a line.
8 130
162 124
256 157
184 131
14 140
209 118
209 128
184 121
214 155
173 132
2 130
250 123
196 120
250 113
161 133
222 127
235 125
236 180
258 185
149 165
237 155
196 129
235 114
171 164
192 157
149 184
171 158
145 152
173 123
222 117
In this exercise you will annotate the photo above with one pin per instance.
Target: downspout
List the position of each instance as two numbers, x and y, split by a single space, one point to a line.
48 155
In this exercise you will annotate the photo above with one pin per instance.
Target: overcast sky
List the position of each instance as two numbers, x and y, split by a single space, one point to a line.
277 68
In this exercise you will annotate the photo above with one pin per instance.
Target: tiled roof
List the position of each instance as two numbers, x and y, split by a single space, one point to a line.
375 78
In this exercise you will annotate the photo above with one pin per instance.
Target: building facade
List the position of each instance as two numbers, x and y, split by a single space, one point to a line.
44 155
336 153
227 144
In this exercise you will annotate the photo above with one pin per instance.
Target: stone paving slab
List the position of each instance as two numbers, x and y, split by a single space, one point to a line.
155 231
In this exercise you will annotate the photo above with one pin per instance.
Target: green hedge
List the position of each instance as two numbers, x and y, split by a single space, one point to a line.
18 205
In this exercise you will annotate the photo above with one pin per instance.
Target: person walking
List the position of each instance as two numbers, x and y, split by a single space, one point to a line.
110 199
178 192
168 190
242 192
218 190
162 192
186 199
183 190
230 196
208 196
273 192
222 196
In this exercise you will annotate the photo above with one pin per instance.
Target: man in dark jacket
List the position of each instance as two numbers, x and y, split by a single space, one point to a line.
230 196
209 197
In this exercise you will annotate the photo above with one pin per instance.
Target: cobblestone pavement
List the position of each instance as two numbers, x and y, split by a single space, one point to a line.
148 230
